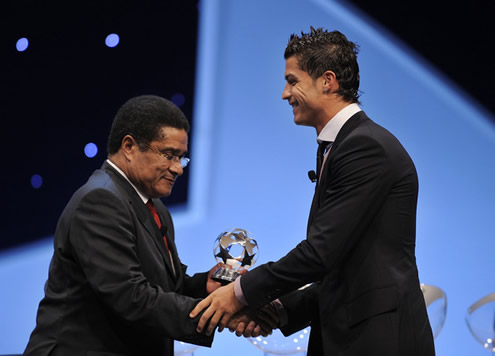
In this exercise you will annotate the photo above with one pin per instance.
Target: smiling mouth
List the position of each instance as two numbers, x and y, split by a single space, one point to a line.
294 104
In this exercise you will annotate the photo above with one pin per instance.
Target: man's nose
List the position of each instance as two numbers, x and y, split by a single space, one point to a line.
176 168
286 92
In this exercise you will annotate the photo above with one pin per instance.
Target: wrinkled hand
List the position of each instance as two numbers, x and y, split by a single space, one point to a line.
244 323
220 306
268 316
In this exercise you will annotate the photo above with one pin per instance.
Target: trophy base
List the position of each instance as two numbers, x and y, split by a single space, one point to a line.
225 275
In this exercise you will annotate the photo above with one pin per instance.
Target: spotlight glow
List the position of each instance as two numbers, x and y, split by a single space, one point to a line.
36 181
90 150
22 44
112 40
178 99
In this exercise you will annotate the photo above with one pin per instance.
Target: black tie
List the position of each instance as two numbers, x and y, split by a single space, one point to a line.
319 156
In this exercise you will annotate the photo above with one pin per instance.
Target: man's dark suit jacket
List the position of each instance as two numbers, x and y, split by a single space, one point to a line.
360 251
111 290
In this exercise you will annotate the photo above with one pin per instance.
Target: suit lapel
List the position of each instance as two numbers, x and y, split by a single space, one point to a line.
351 124
173 250
166 232
143 214
169 227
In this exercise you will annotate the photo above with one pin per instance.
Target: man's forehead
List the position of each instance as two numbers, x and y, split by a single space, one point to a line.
166 131
172 135
292 66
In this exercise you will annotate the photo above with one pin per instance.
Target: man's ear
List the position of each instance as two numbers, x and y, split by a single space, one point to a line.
128 146
329 82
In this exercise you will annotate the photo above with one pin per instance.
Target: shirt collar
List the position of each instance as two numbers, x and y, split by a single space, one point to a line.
143 197
332 128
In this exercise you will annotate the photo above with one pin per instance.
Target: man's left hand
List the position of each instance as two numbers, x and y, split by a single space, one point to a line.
212 284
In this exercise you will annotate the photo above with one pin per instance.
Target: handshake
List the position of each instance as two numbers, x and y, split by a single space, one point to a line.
223 309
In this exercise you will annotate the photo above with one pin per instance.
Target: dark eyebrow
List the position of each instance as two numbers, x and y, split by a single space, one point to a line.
290 77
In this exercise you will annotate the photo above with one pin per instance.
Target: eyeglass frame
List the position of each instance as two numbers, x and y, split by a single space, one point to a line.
183 161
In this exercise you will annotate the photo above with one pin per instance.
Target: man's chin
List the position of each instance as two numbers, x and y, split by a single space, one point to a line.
301 122
162 193
166 194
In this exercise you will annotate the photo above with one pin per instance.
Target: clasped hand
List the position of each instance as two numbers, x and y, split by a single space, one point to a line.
224 310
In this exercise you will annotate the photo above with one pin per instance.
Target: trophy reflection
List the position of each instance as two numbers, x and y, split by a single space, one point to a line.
480 319
237 249
436 307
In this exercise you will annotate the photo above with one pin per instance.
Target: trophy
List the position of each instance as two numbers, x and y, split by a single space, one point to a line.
436 307
237 249
480 319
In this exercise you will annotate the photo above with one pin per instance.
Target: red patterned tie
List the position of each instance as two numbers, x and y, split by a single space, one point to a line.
153 211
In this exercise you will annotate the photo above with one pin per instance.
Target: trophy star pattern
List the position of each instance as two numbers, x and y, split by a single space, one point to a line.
247 260
224 254
234 240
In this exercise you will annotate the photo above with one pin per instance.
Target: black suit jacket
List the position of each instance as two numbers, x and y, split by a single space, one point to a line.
359 253
110 289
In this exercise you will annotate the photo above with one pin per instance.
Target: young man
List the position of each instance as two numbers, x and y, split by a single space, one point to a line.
359 252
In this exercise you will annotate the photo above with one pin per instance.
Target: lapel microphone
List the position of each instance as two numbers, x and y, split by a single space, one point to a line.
312 176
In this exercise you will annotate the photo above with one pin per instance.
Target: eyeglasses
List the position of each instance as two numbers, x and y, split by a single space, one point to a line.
184 161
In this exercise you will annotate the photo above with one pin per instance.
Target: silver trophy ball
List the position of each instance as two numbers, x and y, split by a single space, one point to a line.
237 249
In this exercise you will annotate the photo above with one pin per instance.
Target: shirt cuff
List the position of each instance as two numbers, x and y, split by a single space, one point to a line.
238 291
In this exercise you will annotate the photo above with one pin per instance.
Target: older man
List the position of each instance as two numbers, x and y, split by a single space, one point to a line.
116 285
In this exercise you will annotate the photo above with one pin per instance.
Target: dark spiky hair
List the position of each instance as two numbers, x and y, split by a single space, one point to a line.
321 50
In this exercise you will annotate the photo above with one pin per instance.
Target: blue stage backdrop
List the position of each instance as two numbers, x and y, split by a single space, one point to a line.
251 162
